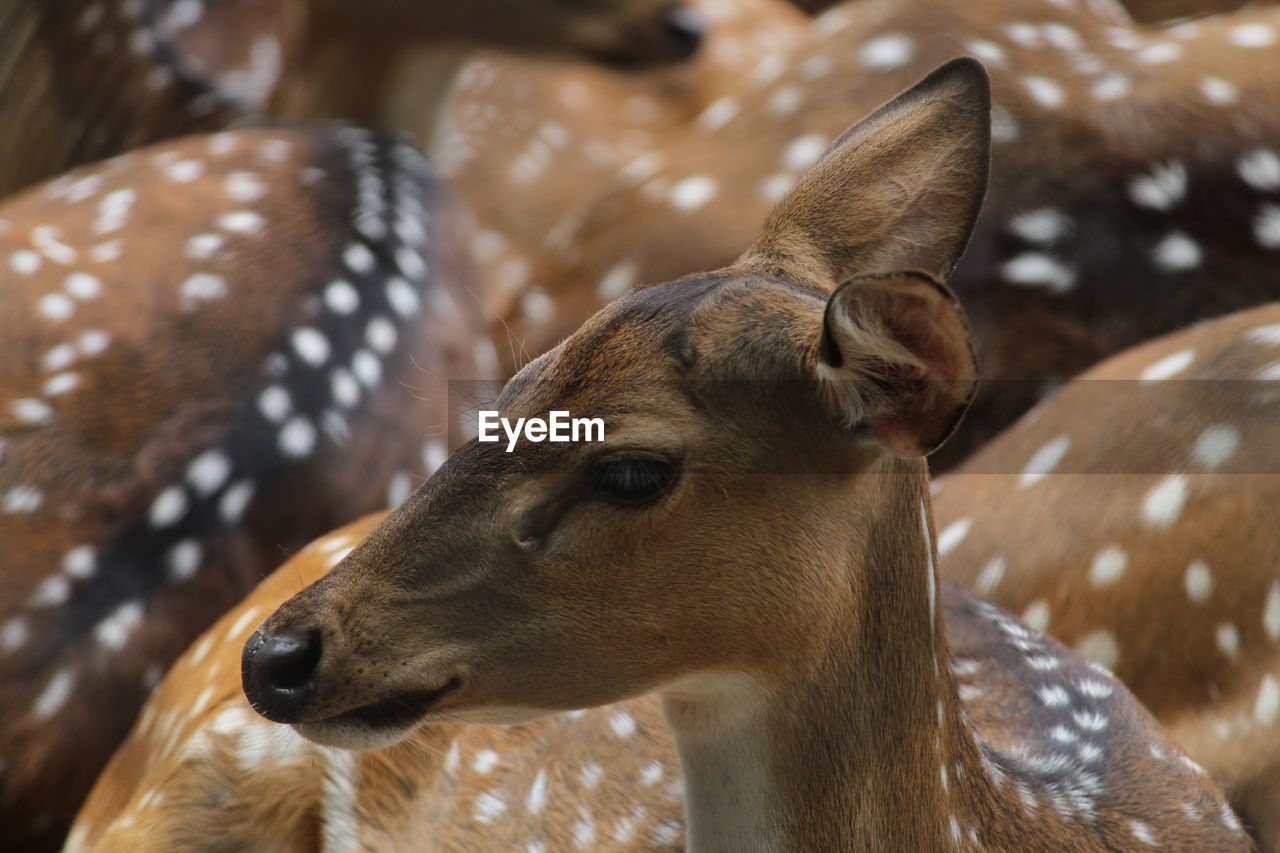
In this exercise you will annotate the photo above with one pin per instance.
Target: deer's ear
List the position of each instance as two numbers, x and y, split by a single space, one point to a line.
898 190
894 360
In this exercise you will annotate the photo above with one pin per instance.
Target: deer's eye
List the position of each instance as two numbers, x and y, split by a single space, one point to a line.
634 480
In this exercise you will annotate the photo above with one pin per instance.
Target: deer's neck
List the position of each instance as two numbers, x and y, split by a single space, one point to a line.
847 750
391 84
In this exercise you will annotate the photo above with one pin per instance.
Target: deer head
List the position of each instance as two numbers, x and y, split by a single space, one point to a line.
566 575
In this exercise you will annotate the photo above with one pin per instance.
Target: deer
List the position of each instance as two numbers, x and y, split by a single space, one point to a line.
1162 463
91 79
212 351
806 672
1095 179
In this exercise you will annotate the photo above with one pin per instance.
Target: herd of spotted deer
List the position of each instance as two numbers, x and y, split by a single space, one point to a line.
256 255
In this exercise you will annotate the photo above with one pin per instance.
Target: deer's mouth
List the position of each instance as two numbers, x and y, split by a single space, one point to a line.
394 712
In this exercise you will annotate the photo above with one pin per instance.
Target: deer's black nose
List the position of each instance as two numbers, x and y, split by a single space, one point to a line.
685 29
277 670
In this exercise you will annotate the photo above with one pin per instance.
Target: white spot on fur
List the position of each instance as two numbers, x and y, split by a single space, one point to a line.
622 724
1199 581
989 52
1215 446
1108 566
113 632
234 502
1100 646
620 278
537 797
803 152
1267 705
1035 269
55 694
1266 227
693 192
1042 227
201 247
1161 188
1044 91
204 287
1142 832
80 562
1218 91
297 438
485 761
341 297
952 535
184 560
1112 87
1037 615
1176 253
1260 169
208 472
1228 639
1252 35
488 807
168 507
1163 503
718 113
82 285
1271 612
882 53
1168 366
403 298
1159 53
990 576
1044 460
51 592
56 307
241 222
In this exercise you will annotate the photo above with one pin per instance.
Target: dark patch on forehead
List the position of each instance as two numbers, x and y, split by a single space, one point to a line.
609 344
648 335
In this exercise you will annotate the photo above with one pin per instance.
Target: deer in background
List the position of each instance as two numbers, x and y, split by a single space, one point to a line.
211 351
1166 569
1095 180
805 671
137 525
88 79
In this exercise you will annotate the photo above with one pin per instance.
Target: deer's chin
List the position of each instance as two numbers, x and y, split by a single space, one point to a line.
495 715
376 725
345 735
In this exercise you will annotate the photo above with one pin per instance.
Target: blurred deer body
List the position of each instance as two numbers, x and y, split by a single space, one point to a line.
193 388
1135 520
90 79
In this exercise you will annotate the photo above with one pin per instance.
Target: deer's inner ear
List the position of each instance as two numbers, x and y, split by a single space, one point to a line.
894 357
900 190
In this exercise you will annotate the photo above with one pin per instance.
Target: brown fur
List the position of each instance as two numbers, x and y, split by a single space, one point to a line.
583 229
1125 438
87 79
177 376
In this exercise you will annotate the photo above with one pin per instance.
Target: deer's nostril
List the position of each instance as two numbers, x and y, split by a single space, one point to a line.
292 660
278 672
685 28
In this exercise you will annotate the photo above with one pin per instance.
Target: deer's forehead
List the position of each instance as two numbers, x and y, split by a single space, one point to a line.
649 345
